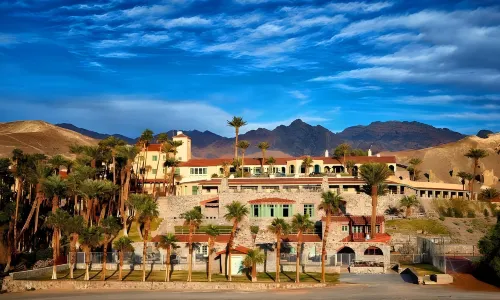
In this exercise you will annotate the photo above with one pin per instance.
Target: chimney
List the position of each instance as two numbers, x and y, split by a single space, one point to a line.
326 153
370 152
179 132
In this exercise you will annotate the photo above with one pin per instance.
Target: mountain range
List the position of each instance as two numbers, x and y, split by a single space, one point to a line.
300 138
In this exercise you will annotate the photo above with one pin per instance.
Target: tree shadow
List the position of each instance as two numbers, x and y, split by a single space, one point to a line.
95 275
130 271
312 277
287 276
113 274
269 275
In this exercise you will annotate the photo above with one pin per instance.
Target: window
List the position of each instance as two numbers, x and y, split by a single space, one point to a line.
346 189
198 171
155 157
194 190
255 210
154 171
177 171
345 228
309 210
203 250
271 210
286 210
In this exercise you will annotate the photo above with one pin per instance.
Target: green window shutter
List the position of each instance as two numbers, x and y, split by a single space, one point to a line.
155 158
195 190
177 171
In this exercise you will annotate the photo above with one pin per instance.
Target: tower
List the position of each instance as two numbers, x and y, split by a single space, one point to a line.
184 151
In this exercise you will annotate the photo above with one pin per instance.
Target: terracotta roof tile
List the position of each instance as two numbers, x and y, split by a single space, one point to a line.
197 238
239 248
356 220
306 238
209 200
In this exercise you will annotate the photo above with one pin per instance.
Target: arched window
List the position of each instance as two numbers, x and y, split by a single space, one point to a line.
373 251
292 169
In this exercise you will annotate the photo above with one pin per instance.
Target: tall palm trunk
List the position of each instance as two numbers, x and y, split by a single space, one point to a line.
104 256
210 247
323 247
121 265
144 166
124 198
254 272
190 258
19 190
145 241
34 206
87 263
374 210
228 251
297 261
476 163
236 143
278 251
72 256
242 163
55 242
167 265
9 246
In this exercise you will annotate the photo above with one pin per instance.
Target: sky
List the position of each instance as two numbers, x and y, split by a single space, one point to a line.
121 66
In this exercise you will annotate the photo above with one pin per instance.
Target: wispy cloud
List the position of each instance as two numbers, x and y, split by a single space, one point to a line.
351 88
301 96
359 7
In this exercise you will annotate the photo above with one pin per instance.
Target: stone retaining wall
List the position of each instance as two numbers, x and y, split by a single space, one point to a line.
10 285
367 270
36 273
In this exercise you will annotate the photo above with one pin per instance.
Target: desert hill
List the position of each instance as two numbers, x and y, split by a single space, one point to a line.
438 161
39 137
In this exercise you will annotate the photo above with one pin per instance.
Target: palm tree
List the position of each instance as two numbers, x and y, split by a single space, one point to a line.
72 229
110 228
414 163
56 221
243 145
225 168
489 194
54 187
235 213
122 245
263 146
409 202
374 174
56 162
252 259
330 204
111 144
476 154
89 238
254 230
307 163
465 176
192 218
168 242
350 165
236 123
128 153
147 209
171 163
279 227
162 139
212 232
145 139
271 161
92 191
300 224
342 150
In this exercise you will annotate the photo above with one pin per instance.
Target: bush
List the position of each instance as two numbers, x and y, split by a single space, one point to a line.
470 230
214 175
44 254
450 212
486 213
471 213
442 218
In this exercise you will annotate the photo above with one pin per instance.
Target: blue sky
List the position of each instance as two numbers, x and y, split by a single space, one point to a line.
123 65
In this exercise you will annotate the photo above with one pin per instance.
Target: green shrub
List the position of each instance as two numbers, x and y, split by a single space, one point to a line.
442 218
43 254
486 213
214 175
470 230
471 213
450 212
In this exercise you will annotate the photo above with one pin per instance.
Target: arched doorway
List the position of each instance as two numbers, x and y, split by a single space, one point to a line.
317 169
283 170
372 250
327 169
391 167
292 169
345 255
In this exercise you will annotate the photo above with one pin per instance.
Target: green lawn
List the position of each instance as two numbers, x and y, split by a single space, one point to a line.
423 269
134 235
411 226
136 275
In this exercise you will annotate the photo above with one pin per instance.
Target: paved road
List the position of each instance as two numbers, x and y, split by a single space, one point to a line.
352 286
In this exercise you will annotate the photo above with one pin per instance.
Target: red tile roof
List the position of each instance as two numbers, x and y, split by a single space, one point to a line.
356 220
271 200
197 238
209 200
306 238
238 249
379 238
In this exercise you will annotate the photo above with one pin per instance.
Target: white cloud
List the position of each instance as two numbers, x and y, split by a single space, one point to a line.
154 10
445 99
463 116
359 7
351 88
118 55
301 96
195 21
8 39
134 39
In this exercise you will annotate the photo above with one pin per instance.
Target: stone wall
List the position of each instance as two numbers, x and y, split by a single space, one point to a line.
37 273
461 249
367 270
10 285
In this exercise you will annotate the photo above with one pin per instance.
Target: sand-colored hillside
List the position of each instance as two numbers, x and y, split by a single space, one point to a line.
39 137
440 160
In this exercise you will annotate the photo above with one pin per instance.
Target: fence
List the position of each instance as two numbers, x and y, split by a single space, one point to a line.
38 273
409 258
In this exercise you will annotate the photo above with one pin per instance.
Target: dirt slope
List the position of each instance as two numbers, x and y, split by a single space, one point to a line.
440 160
39 137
